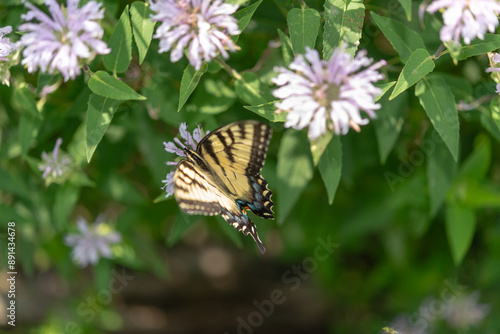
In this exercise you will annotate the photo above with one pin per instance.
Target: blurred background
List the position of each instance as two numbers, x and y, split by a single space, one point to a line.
378 256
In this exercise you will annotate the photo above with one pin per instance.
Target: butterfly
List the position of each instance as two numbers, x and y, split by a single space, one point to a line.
222 176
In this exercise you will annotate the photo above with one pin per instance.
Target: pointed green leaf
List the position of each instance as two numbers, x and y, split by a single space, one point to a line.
441 170
229 230
419 64
268 111
142 26
120 43
475 167
385 87
303 25
406 4
480 46
190 79
100 112
388 124
460 228
319 145
439 103
294 171
286 47
330 167
105 85
495 111
183 223
404 40
65 201
343 24
253 91
245 15
31 119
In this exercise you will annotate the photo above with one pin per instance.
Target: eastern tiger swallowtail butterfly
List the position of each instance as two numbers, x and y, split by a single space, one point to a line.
223 176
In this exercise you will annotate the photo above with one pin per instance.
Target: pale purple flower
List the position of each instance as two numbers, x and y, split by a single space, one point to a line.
328 94
7 58
466 18
64 40
6 46
92 241
55 165
494 60
200 26
465 311
177 147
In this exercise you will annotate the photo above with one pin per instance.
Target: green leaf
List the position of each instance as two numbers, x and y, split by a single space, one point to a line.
419 64
479 47
183 223
385 87
388 124
229 230
439 104
343 24
31 119
65 201
319 145
190 79
286 47
454 49
212 97
268 112
406 4
441 170
245 15
105 85
294 171
100 112
477 164
303 25
404 40
120 42
251 90
460 228
330 167
142 26
495 111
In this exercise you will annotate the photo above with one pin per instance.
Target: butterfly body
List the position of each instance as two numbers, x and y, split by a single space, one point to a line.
222 176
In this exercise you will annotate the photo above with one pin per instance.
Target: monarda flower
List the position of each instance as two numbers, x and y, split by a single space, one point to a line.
202 27
331 94
92 242
64 40
466 18
176 146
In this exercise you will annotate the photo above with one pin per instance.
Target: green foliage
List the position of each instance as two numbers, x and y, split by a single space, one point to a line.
411 200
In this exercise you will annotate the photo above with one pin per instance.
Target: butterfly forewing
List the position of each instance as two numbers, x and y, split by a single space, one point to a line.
193 190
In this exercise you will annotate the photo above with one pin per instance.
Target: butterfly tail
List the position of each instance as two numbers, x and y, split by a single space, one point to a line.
242 223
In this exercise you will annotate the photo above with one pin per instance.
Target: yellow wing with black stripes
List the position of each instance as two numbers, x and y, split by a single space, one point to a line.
223 176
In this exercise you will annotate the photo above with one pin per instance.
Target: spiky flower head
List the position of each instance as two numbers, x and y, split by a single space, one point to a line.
331 94
176 146
466 18
92 241
201 27
63 40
